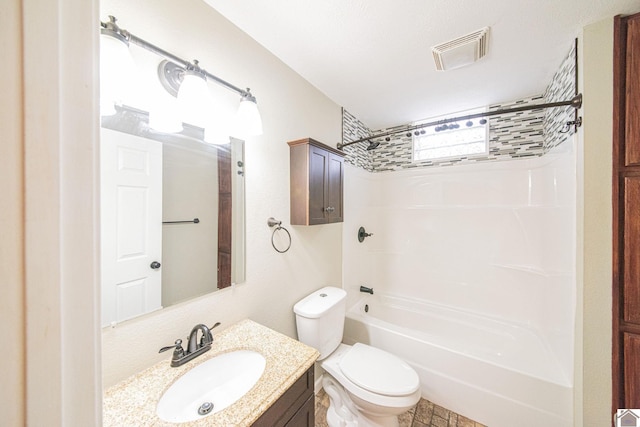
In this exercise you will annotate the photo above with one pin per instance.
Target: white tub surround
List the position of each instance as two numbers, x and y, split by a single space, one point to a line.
488 244
496 372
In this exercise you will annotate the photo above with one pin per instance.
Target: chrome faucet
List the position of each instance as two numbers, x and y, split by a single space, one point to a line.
194 348
366 290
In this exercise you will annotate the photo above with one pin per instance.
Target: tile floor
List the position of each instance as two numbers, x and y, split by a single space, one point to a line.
424 414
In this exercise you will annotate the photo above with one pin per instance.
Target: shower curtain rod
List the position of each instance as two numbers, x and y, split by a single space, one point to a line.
575 102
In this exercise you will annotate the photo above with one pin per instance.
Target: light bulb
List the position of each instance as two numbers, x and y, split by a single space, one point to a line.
214 135
248 121
116 73
164 115
217 130
194 101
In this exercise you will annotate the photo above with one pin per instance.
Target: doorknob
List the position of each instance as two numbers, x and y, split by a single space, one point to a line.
155 265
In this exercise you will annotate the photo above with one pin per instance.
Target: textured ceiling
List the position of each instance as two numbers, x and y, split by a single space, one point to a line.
373 57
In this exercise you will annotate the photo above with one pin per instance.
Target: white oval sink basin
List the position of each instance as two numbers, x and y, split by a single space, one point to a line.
211 386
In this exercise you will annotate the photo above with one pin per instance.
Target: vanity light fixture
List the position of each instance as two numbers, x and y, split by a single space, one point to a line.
216 134
188 82
116 67
164 115
248 115
194 100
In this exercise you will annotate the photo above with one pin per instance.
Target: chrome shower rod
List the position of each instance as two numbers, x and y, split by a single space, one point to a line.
575 102
114 30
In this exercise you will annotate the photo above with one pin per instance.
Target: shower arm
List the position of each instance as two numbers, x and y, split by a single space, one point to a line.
575 102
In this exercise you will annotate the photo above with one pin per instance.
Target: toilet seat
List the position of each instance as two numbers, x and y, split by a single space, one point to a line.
332 365
378 371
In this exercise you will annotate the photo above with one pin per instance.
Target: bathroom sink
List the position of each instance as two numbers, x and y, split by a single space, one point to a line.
211 386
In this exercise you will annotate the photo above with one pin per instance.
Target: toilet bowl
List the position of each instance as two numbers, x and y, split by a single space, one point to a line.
367 386
379 385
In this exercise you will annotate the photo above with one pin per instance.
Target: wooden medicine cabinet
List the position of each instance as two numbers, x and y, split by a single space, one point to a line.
317 175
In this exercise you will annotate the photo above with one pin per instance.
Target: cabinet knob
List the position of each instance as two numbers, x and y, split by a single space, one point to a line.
155 265
330 209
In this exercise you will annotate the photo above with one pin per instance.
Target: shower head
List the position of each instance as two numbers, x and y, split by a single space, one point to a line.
373 145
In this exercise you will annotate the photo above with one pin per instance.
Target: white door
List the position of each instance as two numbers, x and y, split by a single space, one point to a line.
131 225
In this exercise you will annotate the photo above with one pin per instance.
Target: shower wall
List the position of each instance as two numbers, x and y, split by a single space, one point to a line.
490 237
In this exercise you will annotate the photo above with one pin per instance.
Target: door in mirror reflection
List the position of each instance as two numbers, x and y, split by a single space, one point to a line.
131 225
184 232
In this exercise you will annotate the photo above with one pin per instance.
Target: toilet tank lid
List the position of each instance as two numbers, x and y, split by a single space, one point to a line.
319 302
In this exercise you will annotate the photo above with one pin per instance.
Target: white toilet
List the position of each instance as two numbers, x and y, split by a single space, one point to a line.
366 386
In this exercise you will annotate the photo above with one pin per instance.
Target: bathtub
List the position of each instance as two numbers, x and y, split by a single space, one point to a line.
491 371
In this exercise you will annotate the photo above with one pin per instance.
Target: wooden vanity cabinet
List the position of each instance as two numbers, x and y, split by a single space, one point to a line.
317 177
295 408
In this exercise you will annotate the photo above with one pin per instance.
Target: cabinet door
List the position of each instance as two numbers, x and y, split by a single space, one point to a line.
316 173
632 84
318 189
335 180
294 408
306 416
626 221
632 370
631 240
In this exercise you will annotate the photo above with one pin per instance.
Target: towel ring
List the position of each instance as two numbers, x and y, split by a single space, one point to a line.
272 222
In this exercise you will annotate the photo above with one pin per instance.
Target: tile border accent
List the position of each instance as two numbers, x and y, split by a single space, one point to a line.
511 136
356 154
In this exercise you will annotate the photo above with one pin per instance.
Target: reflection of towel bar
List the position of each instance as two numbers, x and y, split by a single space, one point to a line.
194 221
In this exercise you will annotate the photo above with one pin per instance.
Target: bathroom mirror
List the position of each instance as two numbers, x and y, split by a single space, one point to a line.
172 216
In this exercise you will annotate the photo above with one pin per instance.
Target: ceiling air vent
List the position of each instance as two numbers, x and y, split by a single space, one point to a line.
462 51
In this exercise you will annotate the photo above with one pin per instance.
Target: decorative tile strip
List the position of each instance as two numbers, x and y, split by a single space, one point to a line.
511 136
562 87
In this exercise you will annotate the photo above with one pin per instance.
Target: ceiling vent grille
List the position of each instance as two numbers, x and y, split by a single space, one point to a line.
462 51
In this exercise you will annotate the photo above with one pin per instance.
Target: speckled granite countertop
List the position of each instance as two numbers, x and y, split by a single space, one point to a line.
132 402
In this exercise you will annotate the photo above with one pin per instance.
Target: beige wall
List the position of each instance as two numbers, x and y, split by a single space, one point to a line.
593 347
12 371
291 109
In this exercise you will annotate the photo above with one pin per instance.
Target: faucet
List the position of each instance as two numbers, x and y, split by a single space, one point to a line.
194 348
205 340
366 290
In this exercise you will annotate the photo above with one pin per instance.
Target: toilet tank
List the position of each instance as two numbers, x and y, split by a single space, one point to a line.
320 319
